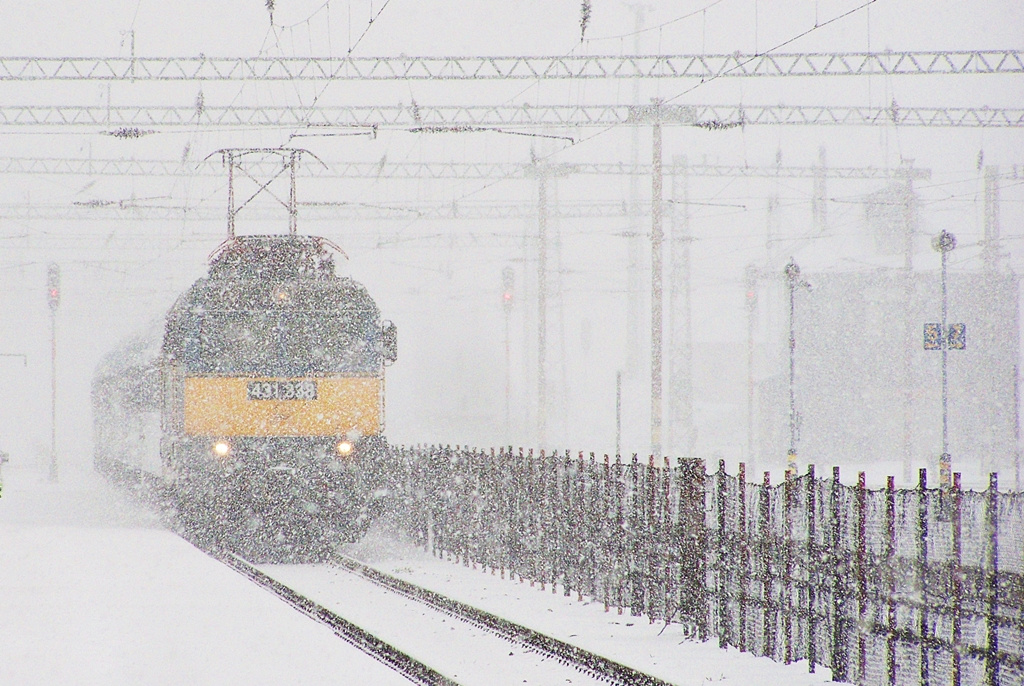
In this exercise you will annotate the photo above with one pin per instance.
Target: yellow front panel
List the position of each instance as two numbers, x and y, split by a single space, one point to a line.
217 406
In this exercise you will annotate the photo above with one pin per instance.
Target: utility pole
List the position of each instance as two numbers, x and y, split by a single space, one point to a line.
819 201
990 249
945 242
507 281
542 305
751 296
618 413
943 336
634 286
793 281
657 238
229 156
53 299
680 385
543 171
656 114
909 209
293 210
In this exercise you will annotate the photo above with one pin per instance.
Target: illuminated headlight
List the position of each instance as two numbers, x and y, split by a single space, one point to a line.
221 448
344 447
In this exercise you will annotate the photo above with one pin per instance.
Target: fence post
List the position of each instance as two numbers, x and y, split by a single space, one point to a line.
606 533
992 582
768 630
862 515
922 524
619 531
696 505
786 587
665 538
544 521
840 668
720 590
633 564
588 551
890 555
650 534
812 568
957 574
744 556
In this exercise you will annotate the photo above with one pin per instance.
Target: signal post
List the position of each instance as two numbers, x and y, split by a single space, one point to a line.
53 299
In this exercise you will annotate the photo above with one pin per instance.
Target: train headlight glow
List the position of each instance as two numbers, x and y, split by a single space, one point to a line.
344 447
221 448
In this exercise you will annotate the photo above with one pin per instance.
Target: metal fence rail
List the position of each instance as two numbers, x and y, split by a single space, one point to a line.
628 535
883 586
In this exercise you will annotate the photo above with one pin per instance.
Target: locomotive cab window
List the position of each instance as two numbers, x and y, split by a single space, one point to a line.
293 343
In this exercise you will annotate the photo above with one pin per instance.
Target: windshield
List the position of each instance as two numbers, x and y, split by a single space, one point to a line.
284 343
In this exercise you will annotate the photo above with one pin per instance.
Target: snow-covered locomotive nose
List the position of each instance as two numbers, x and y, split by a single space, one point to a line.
270 360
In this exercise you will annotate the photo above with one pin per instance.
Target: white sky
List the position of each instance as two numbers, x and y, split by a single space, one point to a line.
119 275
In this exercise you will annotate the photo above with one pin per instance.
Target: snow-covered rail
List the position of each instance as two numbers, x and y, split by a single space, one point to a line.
566 653
149 489
414 670
404 626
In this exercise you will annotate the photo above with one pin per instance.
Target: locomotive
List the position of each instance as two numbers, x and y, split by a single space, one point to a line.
258 401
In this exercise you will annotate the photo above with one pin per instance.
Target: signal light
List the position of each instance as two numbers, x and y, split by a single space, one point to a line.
507 282
750 278
53 286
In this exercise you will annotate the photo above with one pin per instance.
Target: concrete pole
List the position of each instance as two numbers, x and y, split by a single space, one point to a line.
944 243
751 296
990 249
508 376
819 202
680 437
231 194
542 291
793 281
657 238
634 273
618 413
792 274
293 210
909 328
53 394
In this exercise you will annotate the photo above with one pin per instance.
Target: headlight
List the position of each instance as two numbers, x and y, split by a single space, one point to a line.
221 448
344 447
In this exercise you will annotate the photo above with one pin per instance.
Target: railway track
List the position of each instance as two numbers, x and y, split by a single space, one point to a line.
417 672
148 489
536 650
596 666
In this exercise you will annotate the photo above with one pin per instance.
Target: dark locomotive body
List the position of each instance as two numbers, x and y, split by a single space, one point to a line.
262 406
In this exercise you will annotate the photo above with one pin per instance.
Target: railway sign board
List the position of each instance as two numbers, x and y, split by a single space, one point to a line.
955 336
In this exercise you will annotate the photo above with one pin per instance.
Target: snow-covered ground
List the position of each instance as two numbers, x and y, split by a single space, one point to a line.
94 591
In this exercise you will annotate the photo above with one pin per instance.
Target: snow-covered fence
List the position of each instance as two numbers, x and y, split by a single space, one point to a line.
884 586
628 535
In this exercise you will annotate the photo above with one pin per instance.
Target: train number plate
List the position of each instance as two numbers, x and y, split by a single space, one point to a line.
281 390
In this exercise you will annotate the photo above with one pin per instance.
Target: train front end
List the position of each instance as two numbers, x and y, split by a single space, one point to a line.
274 398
